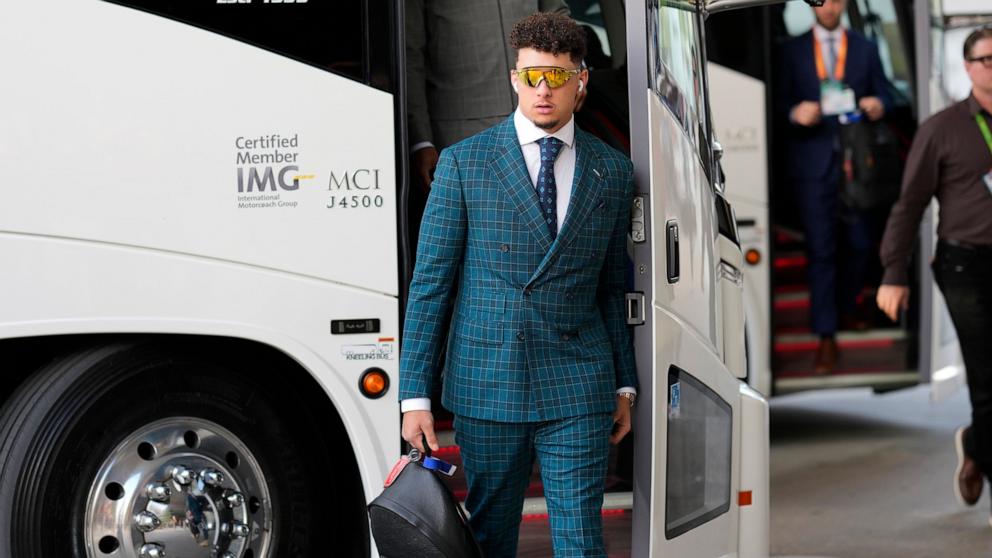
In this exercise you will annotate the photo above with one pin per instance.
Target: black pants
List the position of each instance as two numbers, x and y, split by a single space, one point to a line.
965 278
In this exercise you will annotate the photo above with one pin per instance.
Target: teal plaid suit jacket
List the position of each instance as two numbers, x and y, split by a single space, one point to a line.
538 328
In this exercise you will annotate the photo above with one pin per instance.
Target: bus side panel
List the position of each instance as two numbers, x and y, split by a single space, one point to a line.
699 453
129 128
755 485
55 286
695 398
745 163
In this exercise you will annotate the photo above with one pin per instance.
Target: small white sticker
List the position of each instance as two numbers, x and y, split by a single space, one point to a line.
675 401
383 350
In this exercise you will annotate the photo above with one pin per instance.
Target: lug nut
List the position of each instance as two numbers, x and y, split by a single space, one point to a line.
226 554
158 492
238 530
182 475
212 477
152 550
146 521
233 499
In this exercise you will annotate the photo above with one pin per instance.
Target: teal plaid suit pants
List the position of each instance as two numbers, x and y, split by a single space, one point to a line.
498 458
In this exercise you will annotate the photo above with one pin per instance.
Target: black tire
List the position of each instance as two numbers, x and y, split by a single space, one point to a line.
59 427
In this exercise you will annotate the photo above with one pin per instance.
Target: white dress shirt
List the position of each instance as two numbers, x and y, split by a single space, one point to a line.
823 35
527 135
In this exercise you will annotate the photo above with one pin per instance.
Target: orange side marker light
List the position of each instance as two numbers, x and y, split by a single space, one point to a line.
744 498
373 383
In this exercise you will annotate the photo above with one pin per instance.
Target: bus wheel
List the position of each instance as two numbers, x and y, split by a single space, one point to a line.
134 451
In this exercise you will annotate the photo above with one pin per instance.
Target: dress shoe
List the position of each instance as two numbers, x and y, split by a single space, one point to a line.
826 356
968 479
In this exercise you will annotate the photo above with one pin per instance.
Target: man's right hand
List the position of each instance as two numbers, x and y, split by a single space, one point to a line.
418 425
891 299
806 113
424 163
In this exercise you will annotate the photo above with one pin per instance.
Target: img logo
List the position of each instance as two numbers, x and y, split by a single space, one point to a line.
267 179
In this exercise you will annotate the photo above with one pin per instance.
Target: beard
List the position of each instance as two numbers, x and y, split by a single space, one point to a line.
546 124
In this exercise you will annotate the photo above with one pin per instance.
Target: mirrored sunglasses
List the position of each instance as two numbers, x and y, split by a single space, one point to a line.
554 76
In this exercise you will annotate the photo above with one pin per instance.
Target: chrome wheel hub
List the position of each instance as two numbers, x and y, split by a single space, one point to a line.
182 488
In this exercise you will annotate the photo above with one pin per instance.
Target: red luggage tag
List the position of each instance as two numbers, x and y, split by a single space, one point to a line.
397 469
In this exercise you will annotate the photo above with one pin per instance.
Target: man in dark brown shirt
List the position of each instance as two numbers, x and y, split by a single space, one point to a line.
951 159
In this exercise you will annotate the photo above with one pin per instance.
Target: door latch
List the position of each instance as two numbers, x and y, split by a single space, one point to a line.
635 309
637 232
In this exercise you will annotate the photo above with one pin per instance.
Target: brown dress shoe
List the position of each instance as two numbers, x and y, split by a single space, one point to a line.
968 479
826 356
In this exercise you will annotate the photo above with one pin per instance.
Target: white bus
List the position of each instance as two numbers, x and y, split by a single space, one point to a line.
204 247
920 45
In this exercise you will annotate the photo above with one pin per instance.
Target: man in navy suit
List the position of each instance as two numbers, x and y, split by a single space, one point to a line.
826 74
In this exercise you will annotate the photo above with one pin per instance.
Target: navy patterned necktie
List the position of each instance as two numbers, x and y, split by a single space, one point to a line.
547 190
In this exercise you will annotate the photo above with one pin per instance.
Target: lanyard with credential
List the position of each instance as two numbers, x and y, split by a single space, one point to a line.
821 68
985 129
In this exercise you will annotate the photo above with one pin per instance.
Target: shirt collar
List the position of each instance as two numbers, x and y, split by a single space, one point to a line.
527 132
822 33
973 107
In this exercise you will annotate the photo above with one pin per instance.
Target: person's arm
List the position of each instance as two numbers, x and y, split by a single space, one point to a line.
418 113
787 106
879 101
611 294
920 179
440 249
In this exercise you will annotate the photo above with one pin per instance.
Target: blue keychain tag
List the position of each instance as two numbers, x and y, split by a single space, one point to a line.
442 467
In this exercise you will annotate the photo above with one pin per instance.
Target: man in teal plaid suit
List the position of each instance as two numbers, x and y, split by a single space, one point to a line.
530 217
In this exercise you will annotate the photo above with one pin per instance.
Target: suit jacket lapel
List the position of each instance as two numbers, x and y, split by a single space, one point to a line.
585 192
586 186
511 172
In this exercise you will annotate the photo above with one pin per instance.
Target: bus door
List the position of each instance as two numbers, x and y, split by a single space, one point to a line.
686 501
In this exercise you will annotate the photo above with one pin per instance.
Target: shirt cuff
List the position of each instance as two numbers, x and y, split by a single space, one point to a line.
895 275
415 404
627 389
420 145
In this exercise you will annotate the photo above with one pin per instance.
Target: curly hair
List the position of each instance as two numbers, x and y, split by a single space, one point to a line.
548 32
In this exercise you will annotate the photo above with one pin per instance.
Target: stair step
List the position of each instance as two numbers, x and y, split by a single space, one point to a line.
846 340
874 379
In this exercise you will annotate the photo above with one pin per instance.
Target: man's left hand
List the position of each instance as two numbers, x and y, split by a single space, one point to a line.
873 107
621 420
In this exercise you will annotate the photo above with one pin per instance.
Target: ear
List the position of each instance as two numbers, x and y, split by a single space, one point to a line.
514 83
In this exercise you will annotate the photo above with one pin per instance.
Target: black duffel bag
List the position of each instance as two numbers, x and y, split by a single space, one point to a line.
871 170
417 516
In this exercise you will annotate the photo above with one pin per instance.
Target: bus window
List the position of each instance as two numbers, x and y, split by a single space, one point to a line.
677 57
605 112
881 25
589 14
312 32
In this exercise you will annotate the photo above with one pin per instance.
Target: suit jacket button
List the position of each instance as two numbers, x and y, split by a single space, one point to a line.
565 337
527 292
520 335
504 248
569 296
